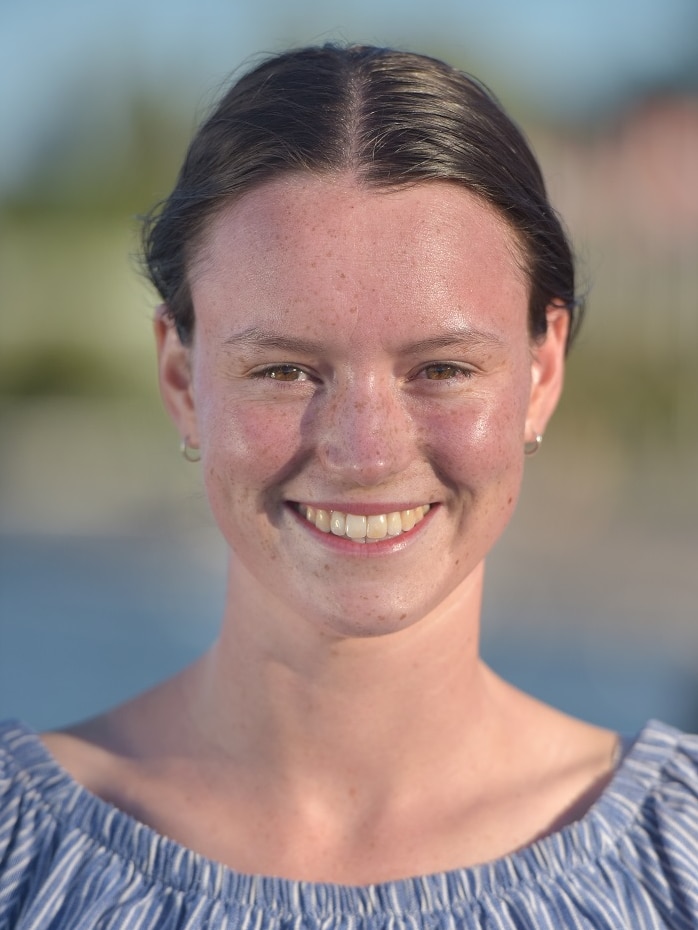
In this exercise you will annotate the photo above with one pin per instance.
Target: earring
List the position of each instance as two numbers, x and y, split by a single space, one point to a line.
533 445
190 453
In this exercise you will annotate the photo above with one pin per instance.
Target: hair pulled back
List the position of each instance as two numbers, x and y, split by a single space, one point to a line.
389 118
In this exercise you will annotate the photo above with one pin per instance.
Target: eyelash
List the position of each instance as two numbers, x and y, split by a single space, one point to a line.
272 372
277 373
456 371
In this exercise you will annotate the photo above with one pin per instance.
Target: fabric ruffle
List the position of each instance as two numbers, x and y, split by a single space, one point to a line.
70 860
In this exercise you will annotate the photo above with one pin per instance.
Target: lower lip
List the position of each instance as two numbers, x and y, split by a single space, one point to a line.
366 550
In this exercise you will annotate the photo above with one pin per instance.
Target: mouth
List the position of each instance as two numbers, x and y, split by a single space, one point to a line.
363 528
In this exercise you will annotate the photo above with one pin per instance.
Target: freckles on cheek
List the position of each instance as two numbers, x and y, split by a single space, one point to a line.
482 443
254 443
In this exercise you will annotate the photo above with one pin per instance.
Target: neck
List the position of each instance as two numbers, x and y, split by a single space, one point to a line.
296 702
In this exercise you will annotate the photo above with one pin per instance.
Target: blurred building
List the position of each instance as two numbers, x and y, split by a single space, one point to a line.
628 190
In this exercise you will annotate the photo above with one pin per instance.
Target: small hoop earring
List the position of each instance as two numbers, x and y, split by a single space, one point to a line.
533 445
190 453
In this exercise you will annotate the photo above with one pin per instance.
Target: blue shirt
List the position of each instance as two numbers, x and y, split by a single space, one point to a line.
70 861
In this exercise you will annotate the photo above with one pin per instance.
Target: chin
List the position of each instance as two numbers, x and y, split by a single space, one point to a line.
371 613
370 625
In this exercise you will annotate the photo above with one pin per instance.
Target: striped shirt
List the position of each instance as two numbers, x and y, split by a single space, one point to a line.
70 861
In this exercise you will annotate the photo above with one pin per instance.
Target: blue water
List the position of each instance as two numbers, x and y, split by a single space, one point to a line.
85 623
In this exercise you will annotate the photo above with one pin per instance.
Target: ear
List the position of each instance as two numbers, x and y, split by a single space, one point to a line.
547 371
174 375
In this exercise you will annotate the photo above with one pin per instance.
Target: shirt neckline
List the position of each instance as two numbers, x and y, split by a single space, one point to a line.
161 859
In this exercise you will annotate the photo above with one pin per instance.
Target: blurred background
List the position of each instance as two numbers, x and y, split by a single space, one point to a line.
111 574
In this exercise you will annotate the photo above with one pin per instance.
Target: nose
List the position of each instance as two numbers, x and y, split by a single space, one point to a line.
366 436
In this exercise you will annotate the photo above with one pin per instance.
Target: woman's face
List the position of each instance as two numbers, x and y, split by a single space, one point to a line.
361 361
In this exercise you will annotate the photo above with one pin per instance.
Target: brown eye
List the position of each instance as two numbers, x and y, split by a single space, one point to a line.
285 373
443 372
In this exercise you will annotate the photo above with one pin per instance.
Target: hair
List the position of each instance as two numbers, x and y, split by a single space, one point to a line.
388 118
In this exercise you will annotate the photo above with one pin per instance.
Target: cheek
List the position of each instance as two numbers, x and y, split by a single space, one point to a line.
248 447
482 440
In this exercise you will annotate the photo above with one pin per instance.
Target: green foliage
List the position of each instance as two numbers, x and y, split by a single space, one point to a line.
58 371
73 324
111 162
637 400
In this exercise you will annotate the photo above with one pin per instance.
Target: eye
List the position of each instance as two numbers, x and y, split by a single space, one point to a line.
444 371
283 373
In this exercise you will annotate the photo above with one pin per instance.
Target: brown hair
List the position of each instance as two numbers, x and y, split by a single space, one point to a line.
390 118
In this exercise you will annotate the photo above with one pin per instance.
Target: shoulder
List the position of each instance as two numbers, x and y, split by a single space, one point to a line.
69 858
651 813
630 861
55 838
21 761
29 824
659 779
24 819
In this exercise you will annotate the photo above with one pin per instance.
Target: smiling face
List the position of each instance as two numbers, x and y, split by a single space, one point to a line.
361 384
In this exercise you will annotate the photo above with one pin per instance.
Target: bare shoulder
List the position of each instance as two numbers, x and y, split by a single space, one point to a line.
111 749
566 763
546 728
89 753
577 745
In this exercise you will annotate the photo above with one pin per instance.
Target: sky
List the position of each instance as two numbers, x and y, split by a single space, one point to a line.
568 57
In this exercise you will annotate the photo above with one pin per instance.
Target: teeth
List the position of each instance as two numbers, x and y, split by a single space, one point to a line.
361 528
338 522
356 526
377 526
409 518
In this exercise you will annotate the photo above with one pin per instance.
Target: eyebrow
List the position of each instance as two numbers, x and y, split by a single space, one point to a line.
254 337
454 337
257 338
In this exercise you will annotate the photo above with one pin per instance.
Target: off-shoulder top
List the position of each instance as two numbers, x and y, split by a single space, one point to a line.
70 861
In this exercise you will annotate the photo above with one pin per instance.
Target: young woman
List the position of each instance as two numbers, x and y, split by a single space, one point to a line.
367 300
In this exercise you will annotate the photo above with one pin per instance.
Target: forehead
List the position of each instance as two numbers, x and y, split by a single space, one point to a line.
326 243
